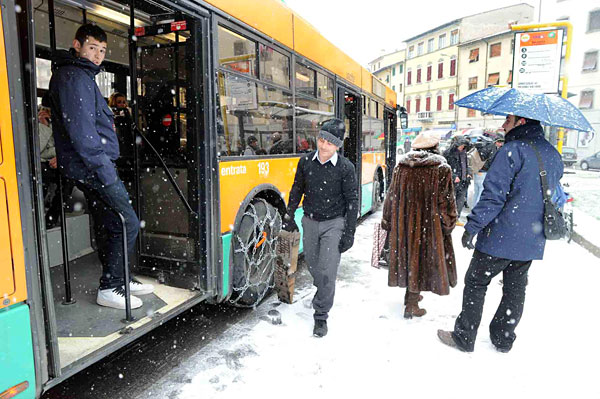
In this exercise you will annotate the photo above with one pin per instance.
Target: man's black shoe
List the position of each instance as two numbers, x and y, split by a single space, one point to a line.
503 350
447 339
320 329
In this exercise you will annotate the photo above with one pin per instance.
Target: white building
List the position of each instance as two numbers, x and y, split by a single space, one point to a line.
389 68
583 69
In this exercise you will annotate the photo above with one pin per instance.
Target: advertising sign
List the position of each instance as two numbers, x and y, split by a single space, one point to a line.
536 60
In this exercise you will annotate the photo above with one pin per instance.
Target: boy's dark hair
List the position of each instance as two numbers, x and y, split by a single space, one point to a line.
90 30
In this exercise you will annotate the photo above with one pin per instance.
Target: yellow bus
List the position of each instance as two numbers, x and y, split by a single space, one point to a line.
224 96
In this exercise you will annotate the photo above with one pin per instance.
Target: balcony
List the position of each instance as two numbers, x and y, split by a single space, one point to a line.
425 116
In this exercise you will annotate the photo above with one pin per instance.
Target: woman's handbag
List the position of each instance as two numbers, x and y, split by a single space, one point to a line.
379 237
555 226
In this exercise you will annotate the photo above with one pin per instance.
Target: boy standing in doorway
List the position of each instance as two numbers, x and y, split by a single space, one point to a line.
87 147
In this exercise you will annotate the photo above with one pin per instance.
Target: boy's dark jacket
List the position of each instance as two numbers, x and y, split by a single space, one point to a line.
82 122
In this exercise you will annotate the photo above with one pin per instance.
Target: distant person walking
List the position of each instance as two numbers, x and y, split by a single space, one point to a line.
456 156
420 213
508 222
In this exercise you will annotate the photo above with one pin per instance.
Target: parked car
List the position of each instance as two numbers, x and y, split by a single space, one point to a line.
591 162
569 156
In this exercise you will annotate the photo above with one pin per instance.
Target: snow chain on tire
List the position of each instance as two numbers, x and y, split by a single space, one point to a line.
254 253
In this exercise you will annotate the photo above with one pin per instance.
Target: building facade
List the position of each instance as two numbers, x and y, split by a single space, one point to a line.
389 68
433 64
484 62
583 68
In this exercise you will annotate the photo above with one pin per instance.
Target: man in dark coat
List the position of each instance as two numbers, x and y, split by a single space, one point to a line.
328 183
87 148
419 212
456 156
508 221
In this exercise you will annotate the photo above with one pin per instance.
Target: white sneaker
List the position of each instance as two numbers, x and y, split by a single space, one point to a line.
139 288
115 298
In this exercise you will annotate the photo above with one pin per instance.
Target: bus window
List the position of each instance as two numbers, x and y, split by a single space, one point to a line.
251 109
310 114
236 52
324 87
366 124
305 80
274 67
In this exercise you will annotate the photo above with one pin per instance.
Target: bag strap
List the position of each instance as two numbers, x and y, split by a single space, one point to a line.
543 173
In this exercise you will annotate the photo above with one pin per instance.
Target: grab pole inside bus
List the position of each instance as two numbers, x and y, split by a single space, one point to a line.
65 244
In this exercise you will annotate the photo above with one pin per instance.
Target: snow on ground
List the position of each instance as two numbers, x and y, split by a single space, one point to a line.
371 349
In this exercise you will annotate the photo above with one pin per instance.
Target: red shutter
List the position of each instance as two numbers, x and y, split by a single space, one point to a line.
429 68
408 77
453 67
419 75
418 106
439 103
408 106
440 70
451 102
428 104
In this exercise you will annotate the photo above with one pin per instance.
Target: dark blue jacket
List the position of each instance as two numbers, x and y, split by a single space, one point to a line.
509 217
82 123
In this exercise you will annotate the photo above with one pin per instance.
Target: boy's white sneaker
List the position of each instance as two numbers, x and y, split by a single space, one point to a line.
115 298
138 288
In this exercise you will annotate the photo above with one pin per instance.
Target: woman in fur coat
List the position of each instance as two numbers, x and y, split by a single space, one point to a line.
419 214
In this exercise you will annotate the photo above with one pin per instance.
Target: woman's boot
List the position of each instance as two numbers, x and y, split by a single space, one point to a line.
412 305
406 296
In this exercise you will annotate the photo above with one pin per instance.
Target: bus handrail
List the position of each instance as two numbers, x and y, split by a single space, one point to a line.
166 169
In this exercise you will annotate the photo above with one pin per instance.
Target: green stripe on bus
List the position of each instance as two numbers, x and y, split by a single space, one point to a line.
226 240
16 350
366 198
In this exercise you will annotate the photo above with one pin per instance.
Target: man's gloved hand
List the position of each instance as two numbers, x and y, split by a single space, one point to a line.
346 242
467 240
289 224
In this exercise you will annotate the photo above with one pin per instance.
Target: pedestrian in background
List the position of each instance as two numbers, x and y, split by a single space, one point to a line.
456 156
487 153
508 221
328 183
419 213
252 148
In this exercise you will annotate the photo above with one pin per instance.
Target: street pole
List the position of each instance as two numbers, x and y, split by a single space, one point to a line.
564 78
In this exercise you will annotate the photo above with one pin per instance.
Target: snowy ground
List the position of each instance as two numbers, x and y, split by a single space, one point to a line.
371 349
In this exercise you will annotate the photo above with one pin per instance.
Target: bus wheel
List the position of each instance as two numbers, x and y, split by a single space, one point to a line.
254 252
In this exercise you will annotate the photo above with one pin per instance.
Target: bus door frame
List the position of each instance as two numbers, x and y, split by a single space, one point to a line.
341 90
203 155
390 143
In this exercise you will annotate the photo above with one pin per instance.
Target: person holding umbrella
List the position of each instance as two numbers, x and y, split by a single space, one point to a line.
508 222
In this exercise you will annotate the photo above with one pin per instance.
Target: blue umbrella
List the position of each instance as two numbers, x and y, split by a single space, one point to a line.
550 110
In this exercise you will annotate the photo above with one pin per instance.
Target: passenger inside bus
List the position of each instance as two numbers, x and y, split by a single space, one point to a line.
87 148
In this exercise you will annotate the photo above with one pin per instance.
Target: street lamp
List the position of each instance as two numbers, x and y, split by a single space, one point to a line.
403 115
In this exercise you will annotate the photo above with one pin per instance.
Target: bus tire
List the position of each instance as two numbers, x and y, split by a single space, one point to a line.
254 253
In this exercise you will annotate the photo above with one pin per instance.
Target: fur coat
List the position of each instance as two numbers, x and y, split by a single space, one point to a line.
420 213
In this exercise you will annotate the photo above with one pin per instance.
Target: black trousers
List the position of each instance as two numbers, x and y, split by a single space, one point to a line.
460 191
482 270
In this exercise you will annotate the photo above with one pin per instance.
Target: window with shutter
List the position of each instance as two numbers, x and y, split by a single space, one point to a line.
474 55
495 50
428 104
590 61
408 77
586 99
429 68
594 21
493 79
509 80
454 37
470 113
453 67
440 70
451 102
473 83
419 75
439 103
418 105
408 106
